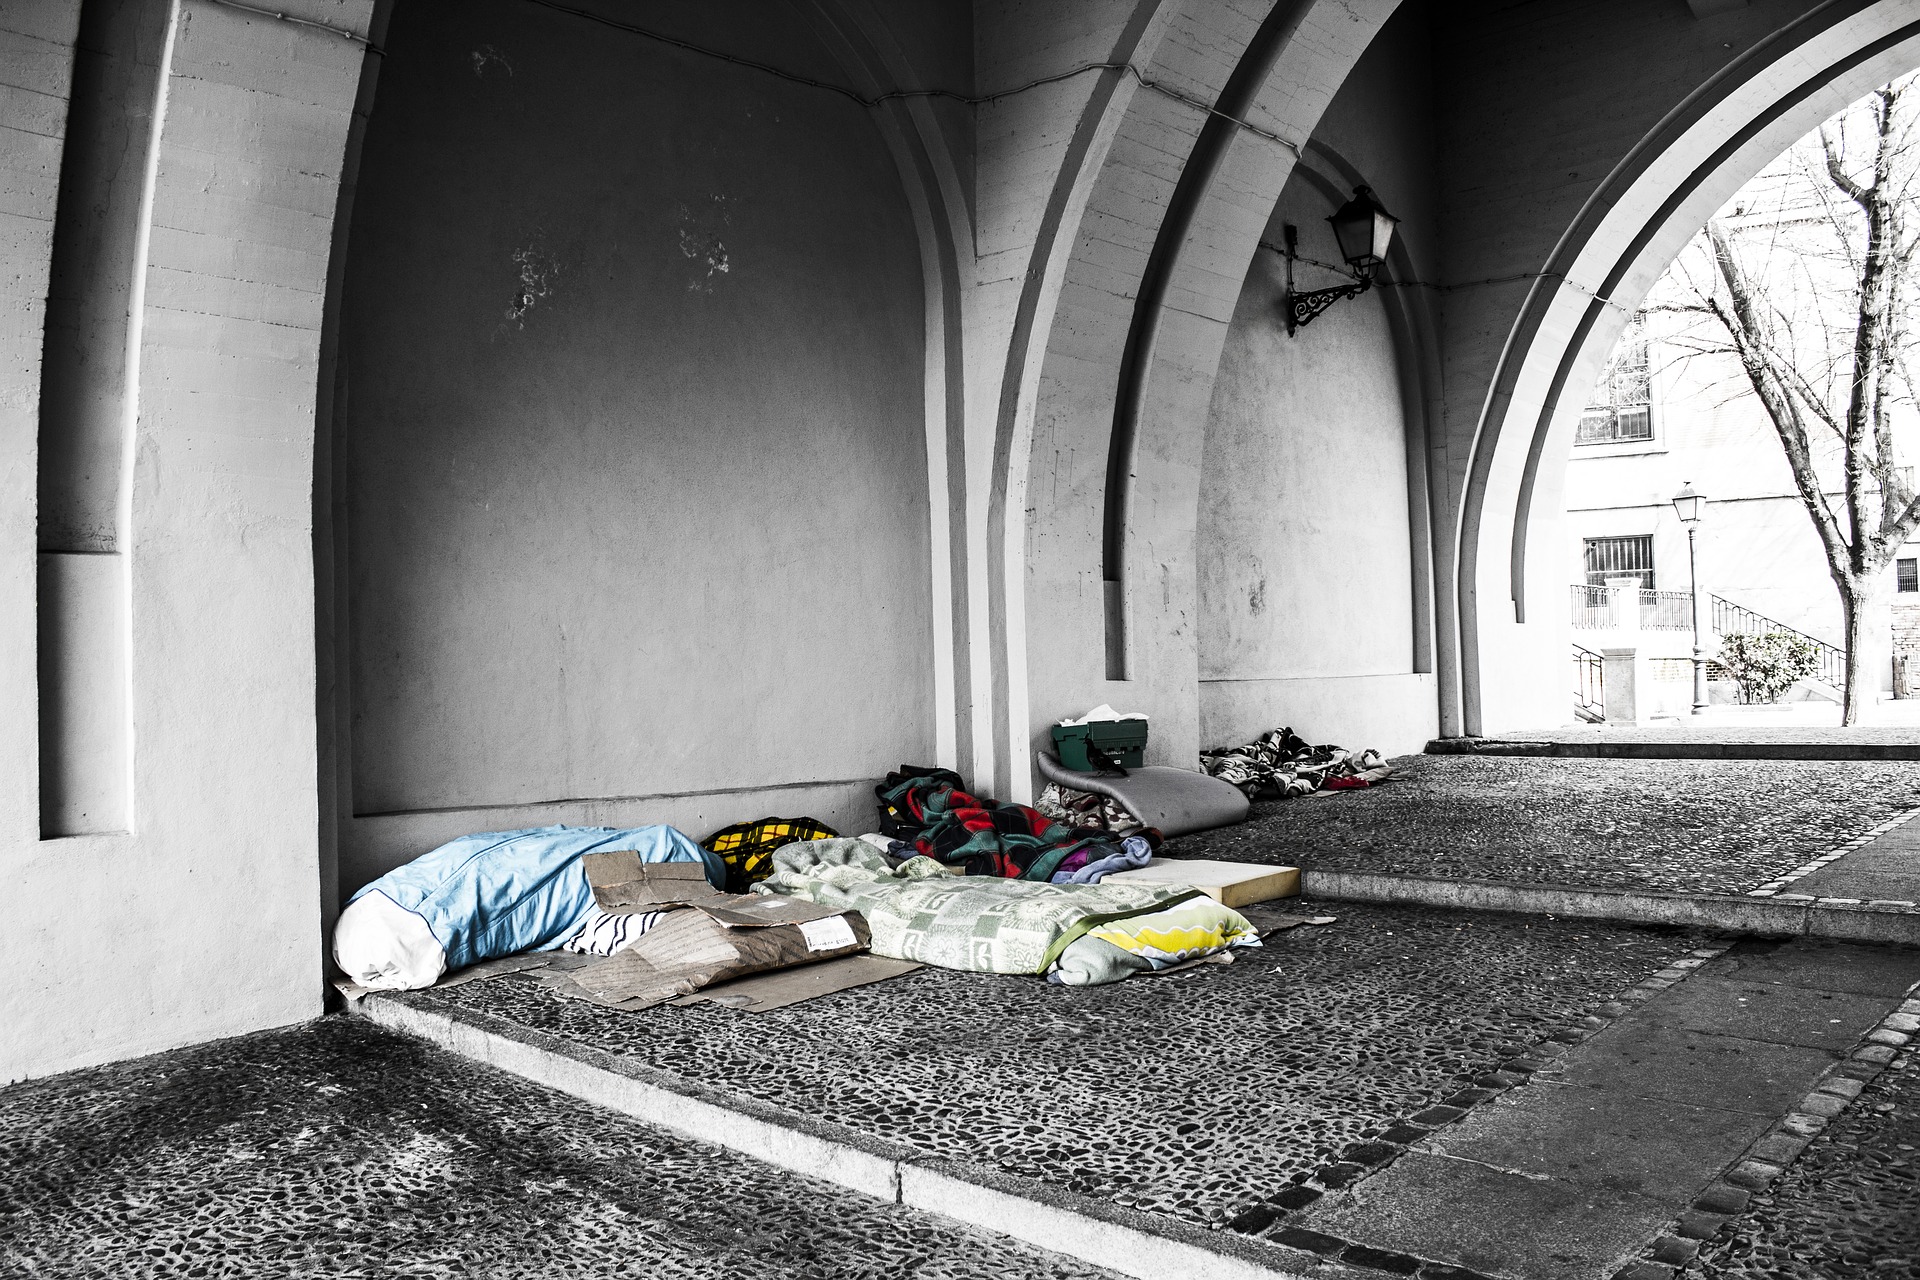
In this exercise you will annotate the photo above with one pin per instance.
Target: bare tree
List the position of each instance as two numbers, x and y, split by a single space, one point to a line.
1809 295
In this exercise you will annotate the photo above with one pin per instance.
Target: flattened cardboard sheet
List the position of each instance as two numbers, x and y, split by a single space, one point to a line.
758 911
691 950
776 990
1269 919
623 883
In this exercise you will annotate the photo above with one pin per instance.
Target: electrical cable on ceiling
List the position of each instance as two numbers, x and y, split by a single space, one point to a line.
896 95
1338 269
280 16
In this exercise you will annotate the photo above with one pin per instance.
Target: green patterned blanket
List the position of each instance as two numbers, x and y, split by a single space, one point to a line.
982 924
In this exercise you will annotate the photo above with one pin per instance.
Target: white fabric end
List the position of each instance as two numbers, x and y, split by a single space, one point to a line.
385 947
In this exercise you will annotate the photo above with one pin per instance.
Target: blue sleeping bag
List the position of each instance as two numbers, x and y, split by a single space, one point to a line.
502 892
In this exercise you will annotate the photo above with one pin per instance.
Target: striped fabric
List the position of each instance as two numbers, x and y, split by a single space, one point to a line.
602 933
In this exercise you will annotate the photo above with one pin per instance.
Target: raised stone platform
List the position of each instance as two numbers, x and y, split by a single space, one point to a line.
1644 840
1296 1113
1689 742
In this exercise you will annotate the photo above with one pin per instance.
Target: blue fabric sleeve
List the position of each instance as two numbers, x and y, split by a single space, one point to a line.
502 892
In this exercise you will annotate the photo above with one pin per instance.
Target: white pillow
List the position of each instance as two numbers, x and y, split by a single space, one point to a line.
385 947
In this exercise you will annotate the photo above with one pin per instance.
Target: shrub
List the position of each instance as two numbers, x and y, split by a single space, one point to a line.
1765 666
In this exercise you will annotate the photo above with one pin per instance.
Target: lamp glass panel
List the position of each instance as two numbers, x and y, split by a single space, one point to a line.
1382 233
1353 230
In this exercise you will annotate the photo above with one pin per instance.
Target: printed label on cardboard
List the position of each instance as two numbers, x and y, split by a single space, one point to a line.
830 934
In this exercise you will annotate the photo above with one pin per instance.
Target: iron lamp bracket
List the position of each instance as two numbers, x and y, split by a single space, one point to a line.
1302 309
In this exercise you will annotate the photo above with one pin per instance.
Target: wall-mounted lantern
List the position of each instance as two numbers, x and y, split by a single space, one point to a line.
1363 231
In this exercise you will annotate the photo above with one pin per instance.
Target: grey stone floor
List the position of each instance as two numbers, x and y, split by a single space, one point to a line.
339 1149
1885 870
1697 826
1576 1172
1194 1094
1850 1206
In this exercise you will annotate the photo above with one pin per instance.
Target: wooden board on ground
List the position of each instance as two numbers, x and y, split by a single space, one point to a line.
1231 884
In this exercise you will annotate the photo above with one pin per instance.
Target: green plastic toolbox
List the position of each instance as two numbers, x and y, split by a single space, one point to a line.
1124 741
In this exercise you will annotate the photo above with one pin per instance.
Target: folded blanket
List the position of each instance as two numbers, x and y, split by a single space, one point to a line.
929 809
976 923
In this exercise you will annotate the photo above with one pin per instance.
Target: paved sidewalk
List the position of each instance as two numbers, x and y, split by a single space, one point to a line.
1850 1206
339 1149
1579 1172
1885 870
1688 826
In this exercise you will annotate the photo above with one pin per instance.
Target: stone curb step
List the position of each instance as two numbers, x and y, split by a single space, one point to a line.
1809 917
1130 1242
1677 750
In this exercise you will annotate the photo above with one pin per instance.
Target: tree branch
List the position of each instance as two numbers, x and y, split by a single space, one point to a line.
1744 326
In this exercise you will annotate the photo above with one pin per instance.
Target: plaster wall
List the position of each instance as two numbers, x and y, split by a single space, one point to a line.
211 894
1306 553
1059 642
631 451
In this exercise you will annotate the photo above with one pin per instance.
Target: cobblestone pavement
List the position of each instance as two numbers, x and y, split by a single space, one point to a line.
1850 1206
339 1149
1696 826
1196 1094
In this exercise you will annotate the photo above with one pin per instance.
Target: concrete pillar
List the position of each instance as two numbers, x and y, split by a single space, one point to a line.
1626 603
1623 672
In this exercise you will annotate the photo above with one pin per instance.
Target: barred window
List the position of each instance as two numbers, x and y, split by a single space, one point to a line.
1622 405
1907 575
1618 558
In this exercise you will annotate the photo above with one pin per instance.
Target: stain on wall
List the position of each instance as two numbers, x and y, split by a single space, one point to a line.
700 241
538 270
662 527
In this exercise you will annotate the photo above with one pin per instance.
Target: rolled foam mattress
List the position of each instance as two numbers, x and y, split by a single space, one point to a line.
484 896
1176 801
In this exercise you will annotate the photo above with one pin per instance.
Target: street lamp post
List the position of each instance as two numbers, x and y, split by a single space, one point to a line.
1690 506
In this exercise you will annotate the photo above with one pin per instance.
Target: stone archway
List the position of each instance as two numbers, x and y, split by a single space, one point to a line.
1636 221
1120 361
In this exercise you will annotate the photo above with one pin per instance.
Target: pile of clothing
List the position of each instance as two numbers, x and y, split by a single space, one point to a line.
1281 765
930 813
950 879
1085 809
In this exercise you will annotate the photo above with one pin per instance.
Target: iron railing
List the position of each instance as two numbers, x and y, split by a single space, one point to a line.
1666 610
1732 619
1592 607
1598 608
1589 685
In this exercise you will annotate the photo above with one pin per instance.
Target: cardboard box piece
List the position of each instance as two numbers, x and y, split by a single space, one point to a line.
623 883
1231 884
709 937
